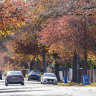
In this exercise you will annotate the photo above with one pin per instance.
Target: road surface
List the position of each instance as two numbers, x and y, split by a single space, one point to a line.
34 88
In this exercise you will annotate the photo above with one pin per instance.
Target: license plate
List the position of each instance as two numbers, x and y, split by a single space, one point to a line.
14 80
50 81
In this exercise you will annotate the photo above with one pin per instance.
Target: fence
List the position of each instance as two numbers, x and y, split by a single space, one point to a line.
69 75
66 73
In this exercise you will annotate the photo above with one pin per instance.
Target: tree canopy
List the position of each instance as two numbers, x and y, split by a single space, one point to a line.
12 16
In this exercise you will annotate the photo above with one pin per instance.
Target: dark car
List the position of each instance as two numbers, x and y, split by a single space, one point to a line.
34 75
0 75
14 77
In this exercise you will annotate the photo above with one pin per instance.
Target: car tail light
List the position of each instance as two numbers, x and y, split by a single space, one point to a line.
9 77
20 76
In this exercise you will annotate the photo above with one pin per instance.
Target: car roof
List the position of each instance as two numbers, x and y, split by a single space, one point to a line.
14 71
34 71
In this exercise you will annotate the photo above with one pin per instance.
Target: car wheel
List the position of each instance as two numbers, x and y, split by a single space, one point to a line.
0 78
55 83
39 79
22 83
43 83
28 79
6 84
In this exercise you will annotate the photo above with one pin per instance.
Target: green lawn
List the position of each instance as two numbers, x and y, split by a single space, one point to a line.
61 83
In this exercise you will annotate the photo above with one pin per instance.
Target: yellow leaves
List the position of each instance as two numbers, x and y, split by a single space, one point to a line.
40 7
35 18
22 23
18 25
5 54
12 57
8 32
45 4
4 33
39 45
91 56
51 49
40 57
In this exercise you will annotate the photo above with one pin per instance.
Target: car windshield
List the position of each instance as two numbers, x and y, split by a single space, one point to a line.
14 72
49 75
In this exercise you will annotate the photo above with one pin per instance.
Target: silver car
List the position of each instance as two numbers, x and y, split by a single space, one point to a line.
49 78
14 77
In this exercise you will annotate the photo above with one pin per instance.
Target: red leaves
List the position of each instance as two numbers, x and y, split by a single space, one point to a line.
12 13
67 32
55 29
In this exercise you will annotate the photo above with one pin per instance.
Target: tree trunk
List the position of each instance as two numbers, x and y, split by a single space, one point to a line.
44 62
76 75
78 70
74 67
32 64
57 70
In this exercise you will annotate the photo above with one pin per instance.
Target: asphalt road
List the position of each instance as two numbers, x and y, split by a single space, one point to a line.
34 88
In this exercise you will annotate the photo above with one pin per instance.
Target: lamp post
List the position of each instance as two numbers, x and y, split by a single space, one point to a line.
78 80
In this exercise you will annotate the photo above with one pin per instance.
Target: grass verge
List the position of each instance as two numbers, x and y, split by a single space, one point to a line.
61 83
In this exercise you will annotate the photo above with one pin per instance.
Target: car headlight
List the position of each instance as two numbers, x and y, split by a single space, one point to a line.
56 79
44 79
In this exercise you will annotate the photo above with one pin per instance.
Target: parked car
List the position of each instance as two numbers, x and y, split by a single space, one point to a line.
34 75
48 78
0 75
14 77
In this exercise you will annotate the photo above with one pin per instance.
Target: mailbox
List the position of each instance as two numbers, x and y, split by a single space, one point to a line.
65 79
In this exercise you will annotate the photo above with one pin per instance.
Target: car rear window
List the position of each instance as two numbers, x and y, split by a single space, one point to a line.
14 72
34 72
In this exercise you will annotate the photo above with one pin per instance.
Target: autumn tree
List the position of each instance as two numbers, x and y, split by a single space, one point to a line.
26 41
73 29
61 24
12 16
74 13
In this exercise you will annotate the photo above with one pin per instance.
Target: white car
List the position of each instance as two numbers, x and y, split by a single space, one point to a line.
48 78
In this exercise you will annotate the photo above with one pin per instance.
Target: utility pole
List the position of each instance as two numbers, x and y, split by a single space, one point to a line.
85 48
78 69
